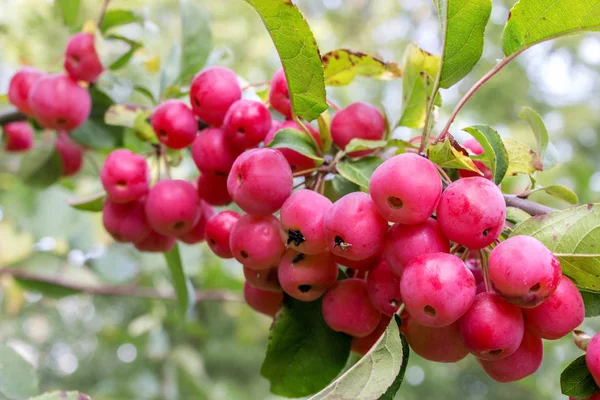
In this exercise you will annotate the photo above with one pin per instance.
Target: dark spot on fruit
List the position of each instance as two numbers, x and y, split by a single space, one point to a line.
196 102
393 303
299 257
223 174
395 202
212 241
535 288
61 121
121 184
244 254
304 288
74 60
179 225
341 243
295 237
485 232
241 131
429 310
116 235
240 179
495 352
162 133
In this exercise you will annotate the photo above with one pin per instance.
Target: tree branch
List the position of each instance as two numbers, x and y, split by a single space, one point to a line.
102 13
119 290
11 114
528 206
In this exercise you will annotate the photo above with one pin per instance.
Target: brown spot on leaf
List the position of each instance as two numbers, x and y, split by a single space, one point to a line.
509 15
590 206
456 145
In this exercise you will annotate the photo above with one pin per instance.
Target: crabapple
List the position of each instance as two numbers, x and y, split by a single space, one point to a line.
559 314
279 95
156 243
405 242
298 162
218 232
18 136
302 216
260 181
346 308
357 121
264 301
58 102
361 265
174 124
475 148
353 227
524 271
20 85
212 188
361 345
384 289
212 92
125 176
594 397
246 124
522 363
81 60
306 277
473 262
427 283
592 358
198 232
71 155
435 344
263 279
471 212
126 222
398 201
212 153
173 207
256 241
493 328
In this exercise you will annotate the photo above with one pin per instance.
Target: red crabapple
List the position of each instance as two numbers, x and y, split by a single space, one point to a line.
71 155
522 363
263 279
384 289
524 271
298 162
361 345
126 222
212 153
81 60
58 102
493 328
427 284
346 308
246 124
279 95
212 92
306 277
559 314
405 242
302 216
435 344
406 189
212 188
260 181
353 227
218 232
361 265
256 241
592 358
357 121
156 243
174 124
125 176
594 397
20 85
18 136
264 301
471 212
173 207
473 262
198 232
475 148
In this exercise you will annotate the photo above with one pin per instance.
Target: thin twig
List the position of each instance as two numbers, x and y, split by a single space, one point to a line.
333 105
426 129
444 174
485 271
103 12
528 206
11 114
255 84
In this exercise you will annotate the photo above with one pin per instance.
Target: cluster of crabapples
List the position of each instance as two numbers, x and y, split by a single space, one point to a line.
59 102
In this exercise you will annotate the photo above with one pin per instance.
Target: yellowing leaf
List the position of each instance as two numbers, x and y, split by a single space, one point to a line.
342 66
449 154
521 159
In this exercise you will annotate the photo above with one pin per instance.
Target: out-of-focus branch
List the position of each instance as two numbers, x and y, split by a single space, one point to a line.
528 206
11 114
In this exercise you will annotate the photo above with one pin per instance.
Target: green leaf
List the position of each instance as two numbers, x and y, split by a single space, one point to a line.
592 303
93 203
45 288
17 376
463 25
534 21
538 127
560 192
95 133
170 69
521 159
122 115
577 381
303 354
181 282
573 236
375 373
196 39
359 171
364 144
69 10
58 395
338 187
493 149
296 140
299 55
114 18
342 66
449 154
41 166
420 69
122 61
400 145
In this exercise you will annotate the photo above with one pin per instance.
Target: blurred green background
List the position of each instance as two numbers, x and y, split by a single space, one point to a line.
127 348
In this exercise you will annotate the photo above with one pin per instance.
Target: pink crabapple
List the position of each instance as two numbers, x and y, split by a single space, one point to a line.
174 124
212 92
218 232
125 176
256 241
81 60
18 136
20 86
172 207
306 277
357 121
